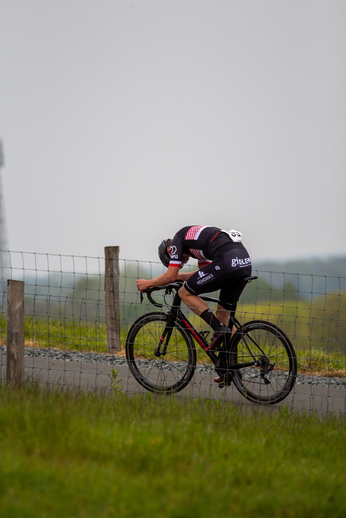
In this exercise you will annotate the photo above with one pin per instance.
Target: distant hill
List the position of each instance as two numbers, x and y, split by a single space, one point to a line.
330 267
309 276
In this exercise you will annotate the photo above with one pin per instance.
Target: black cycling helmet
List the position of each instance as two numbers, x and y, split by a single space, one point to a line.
163 253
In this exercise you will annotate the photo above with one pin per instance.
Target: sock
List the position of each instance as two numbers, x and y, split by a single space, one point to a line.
209 317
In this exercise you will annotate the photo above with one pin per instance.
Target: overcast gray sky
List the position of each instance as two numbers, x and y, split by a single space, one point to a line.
123 121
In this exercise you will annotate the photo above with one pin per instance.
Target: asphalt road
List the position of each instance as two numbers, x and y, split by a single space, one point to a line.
96 376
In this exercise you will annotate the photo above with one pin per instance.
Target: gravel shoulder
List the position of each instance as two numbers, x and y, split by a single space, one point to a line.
114 360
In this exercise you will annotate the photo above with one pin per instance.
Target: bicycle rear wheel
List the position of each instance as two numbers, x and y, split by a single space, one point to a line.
165 374
271 382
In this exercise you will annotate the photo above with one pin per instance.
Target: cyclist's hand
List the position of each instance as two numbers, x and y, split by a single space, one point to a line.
143 285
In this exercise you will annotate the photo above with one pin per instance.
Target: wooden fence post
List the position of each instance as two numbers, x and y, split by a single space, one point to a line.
112 275
15 334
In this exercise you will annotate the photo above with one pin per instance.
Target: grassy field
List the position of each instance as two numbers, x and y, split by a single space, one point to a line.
84 455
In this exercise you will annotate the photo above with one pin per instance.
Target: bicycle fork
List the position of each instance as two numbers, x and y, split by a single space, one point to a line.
166 334
161 348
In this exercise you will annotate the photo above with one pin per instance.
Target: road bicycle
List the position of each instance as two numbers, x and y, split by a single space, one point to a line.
258 358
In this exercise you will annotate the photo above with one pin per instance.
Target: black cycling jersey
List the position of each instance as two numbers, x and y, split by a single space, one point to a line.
201 242
230 259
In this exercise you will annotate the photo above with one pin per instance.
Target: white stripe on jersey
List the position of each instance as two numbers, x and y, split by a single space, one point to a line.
174 263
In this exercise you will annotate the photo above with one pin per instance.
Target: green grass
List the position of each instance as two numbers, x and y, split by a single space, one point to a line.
315 355
319 362
84 455
65 333
69 334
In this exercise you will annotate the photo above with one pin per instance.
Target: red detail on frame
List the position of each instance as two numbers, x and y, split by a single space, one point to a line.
196 337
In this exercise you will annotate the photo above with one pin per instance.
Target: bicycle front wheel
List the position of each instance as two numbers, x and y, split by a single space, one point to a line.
271 381
166 374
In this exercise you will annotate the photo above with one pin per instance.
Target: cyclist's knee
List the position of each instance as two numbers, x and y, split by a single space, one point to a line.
183 293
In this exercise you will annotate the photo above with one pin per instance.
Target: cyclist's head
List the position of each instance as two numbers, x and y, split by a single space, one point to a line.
163 252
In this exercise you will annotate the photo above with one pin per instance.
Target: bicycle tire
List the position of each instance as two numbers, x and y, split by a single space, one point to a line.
167 374
276 384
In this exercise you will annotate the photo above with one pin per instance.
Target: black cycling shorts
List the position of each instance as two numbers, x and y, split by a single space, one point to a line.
223 274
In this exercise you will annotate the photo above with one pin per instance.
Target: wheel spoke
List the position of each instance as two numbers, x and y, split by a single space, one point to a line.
167 373
270 346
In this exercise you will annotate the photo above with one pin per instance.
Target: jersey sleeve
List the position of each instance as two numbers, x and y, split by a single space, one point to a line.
176 255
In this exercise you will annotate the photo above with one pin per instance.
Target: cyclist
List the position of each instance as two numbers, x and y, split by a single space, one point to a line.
222 261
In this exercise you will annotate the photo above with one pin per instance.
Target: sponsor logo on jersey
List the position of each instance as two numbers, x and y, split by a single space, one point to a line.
173 254
205 279
241 262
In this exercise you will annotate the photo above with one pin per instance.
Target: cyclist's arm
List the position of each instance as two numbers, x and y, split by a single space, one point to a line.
185 276
170 275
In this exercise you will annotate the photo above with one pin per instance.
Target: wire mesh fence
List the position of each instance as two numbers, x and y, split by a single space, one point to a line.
66 329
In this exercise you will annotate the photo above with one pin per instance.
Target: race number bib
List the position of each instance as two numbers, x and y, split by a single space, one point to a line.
234 235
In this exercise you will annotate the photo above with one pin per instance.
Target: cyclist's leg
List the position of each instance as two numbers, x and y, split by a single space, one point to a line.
195 303
206 280
223 273
198 306
228 295
236 266
222 314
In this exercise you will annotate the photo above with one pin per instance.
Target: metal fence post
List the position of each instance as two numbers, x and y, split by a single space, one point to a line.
15 334
112 275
